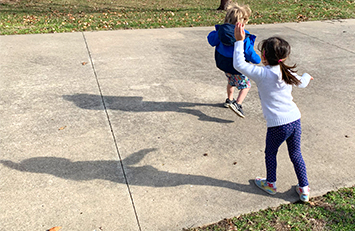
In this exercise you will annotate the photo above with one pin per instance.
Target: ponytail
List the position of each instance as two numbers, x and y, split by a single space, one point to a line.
287 75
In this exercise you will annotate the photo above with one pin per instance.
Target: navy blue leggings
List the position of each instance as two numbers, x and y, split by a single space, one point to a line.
274 138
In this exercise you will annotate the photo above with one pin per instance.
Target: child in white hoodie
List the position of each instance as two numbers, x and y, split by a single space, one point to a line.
274 81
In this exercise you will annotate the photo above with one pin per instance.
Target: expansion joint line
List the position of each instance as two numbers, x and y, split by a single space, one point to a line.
316 38
112 132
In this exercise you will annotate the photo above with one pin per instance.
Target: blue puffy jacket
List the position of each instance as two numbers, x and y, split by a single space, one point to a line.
223 39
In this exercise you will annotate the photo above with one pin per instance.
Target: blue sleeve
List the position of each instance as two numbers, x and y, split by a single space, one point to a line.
253 57
213 39
249 52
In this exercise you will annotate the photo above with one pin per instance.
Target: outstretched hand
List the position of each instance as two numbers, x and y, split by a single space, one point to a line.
239 32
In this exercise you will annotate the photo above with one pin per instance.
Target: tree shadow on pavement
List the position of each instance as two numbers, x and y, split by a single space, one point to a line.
137 104
146 175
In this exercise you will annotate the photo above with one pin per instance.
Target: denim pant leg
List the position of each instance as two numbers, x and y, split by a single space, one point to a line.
294 151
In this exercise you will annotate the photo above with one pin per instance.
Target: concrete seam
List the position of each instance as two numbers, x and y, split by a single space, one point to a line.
112 132
352 52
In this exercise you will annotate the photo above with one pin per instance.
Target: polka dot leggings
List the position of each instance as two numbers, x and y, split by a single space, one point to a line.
274 138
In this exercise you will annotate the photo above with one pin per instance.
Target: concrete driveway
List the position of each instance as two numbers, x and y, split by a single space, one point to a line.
125 130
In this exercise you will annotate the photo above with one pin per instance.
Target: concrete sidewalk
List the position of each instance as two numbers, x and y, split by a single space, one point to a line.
125 130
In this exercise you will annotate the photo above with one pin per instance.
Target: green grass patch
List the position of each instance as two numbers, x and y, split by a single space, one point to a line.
333 211
54 16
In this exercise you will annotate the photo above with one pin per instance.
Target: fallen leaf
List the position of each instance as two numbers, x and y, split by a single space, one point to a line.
55 228
205 154
84 63
62 128
234 163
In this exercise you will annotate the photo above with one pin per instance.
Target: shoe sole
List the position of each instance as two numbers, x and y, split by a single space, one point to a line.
235 110
226 105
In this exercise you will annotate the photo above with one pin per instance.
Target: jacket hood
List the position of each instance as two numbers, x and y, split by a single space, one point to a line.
226 34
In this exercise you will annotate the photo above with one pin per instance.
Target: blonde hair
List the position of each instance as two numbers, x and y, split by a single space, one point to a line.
236 13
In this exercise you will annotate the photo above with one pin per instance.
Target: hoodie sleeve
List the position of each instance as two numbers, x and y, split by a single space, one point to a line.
213 39
250 54
256 73
305 78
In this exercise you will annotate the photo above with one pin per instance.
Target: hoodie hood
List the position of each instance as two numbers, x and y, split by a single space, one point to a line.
226 34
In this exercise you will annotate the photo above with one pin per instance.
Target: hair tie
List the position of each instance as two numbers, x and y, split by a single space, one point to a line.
280 60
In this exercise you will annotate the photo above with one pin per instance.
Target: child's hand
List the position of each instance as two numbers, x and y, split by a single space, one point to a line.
311 78
239 32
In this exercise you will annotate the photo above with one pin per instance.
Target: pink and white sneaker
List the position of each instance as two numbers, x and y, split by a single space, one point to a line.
303 192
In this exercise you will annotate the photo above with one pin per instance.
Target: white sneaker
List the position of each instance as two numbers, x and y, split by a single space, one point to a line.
303 192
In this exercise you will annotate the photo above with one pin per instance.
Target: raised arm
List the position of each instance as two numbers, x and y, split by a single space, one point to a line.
256 73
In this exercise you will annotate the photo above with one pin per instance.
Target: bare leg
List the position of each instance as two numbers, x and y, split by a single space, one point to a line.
242 94
230 91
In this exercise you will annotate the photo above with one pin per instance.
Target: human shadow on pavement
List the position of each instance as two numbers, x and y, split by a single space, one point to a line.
110 170
137 104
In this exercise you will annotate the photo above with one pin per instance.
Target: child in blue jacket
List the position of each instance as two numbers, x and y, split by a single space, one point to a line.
223 39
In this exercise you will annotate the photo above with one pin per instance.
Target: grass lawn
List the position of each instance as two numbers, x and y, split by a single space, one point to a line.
333 211
53 16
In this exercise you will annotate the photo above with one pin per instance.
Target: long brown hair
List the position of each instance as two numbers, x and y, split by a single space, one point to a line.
275 50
